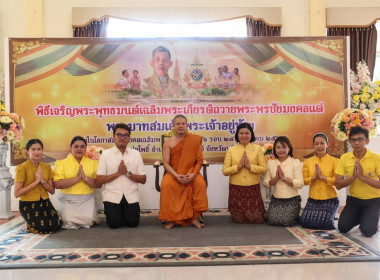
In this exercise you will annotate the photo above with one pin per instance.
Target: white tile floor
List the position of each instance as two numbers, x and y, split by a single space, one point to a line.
336 271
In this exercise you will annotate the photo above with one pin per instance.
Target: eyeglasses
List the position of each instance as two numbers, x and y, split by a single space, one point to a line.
353 140
119 135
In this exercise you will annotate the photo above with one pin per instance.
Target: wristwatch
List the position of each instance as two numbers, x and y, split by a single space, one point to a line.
129 174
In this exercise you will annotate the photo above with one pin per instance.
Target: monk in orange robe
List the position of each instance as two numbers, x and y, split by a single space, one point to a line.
183 189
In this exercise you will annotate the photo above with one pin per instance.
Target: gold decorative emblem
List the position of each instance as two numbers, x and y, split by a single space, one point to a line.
336 46
196 75
22 47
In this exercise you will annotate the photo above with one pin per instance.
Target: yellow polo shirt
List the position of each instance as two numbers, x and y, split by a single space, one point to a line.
68 168
319 189
244 177
25 174
371 168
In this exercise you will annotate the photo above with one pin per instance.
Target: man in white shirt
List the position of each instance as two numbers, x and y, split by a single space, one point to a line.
124 81
121 169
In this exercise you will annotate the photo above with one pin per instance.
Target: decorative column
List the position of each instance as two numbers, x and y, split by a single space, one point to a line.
6 183
317 17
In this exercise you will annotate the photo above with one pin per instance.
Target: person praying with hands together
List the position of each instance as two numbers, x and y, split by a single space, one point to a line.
33 183
319 173
360 170
75 177
285 174
244 163
121 169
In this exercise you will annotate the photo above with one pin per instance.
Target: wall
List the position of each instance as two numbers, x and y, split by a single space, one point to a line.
56 20
294 11
12 22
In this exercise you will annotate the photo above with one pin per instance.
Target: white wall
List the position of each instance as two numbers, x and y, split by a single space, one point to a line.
294 11
57 13
12 22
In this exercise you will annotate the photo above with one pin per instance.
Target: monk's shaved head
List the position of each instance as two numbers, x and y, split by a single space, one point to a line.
180 116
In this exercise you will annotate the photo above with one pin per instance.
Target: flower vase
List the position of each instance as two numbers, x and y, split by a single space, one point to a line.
6 183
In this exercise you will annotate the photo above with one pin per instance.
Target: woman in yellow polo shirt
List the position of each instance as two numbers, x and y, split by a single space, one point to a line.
34 179
75 177
244 163
319 174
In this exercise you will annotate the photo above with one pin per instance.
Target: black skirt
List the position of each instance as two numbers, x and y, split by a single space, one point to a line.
40 216
284 211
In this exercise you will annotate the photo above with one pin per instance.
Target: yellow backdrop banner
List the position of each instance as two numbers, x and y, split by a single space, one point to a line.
281 86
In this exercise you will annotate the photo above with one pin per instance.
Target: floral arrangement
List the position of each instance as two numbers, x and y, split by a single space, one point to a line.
348 118
267 149
365 94
94 152
11 125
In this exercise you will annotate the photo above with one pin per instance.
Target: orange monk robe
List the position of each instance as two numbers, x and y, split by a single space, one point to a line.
182 204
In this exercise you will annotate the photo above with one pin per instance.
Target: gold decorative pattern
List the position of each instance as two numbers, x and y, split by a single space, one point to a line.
22 47
336 46
337 149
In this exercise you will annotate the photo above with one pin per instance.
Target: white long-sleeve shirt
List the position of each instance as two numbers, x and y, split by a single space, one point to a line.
292 169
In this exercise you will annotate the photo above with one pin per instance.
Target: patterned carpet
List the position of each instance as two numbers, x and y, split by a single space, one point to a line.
20 249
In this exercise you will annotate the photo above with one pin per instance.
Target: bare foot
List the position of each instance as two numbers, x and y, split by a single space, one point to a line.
169 225
197 224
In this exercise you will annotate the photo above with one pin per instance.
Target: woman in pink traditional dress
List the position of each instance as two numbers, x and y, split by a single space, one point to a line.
135 80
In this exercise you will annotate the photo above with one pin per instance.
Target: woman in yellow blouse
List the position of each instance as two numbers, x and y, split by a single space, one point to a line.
319 173
285 174
34 179
244 163
75 177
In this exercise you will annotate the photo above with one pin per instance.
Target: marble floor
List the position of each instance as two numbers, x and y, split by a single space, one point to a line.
336 271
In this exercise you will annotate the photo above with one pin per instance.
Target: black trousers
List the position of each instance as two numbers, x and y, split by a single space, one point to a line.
118 214
363 212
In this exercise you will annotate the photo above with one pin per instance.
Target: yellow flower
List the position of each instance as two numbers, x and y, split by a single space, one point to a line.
356 97
6 119
341 136
10 135
372 133
348 118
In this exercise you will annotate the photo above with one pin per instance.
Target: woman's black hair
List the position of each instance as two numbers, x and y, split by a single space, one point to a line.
245 125
77 138
283 140
320 134
32 142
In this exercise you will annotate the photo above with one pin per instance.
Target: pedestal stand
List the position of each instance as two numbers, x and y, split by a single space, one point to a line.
6 183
